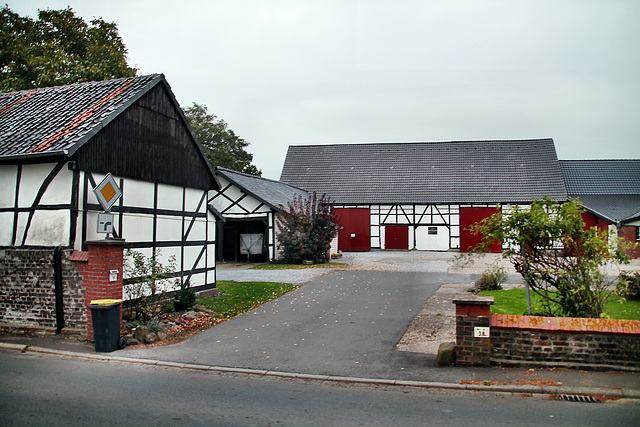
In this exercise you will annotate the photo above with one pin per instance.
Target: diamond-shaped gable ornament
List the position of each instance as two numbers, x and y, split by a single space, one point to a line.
107 192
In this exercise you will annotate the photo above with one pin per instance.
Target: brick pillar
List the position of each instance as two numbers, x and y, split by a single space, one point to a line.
95 266
473 344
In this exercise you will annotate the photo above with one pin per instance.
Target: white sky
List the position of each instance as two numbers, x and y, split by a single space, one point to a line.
283 72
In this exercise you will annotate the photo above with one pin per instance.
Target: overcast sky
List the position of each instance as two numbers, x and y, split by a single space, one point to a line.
296 72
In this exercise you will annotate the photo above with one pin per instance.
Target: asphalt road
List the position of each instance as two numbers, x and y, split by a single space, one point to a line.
52 391
345 323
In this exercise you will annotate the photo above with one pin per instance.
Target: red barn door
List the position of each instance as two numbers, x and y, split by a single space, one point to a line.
355 234
396 237
469 216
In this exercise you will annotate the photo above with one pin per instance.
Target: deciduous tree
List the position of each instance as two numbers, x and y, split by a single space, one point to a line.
221 145
561 259
58 48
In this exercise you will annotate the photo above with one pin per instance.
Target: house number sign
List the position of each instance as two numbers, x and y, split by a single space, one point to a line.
480 332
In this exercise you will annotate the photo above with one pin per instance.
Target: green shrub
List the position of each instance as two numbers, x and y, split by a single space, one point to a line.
628 286
491 280
185 298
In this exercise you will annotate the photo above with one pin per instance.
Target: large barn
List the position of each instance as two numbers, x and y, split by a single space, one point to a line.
57 144
423 195
610 192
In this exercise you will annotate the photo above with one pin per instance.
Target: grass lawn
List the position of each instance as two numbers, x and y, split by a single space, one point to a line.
514 301
299 266
239 297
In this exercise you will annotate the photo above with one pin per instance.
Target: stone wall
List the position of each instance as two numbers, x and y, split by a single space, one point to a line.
27 292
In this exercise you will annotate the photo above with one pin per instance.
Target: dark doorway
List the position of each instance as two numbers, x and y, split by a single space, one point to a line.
237 239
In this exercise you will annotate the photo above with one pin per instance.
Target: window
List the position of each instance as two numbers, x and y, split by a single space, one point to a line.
433 230
637 234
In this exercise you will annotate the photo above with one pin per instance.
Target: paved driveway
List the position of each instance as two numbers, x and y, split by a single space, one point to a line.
347 322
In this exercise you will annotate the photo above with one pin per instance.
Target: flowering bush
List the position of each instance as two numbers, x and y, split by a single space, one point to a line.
305 230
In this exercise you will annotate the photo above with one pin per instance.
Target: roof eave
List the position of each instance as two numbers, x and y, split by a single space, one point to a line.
601 215
11 158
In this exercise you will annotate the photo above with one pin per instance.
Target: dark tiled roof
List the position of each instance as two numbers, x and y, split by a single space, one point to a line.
270 192
58 120
613 207
608 188
428 172
601 176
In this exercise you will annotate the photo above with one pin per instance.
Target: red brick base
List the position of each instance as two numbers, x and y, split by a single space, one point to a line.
95 266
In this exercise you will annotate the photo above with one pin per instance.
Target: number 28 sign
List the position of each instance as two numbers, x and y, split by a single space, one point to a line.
480 332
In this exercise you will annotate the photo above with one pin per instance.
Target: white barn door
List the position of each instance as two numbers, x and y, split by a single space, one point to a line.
432 238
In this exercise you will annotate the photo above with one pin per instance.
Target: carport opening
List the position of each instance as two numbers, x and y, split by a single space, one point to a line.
244 241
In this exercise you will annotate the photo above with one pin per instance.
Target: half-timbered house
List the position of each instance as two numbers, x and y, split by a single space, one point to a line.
247 206
610 192
423 195
58 143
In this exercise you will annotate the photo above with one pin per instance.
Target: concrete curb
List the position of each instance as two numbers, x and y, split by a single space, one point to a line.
521 389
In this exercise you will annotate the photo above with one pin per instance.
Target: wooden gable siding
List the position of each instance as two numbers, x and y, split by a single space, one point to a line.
148 141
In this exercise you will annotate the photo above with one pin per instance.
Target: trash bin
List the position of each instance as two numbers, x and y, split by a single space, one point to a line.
106 324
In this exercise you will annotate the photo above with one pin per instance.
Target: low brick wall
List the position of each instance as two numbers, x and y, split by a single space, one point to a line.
27 292
563 341
542 341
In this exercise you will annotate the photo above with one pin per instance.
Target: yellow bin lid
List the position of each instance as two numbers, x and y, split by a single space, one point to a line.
105 301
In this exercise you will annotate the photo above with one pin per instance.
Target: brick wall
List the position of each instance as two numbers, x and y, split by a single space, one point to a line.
27 292
564 341
543 341
628 233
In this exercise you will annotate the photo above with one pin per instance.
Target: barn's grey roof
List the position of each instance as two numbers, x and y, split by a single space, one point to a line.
601 176
428 172
275 194
608 188
59 120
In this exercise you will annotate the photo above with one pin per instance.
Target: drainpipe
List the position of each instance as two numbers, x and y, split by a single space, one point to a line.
57 278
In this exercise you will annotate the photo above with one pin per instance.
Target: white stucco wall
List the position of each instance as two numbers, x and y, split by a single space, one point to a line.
49 227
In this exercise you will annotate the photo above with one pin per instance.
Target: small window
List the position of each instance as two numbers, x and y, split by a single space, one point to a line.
433 230
637 234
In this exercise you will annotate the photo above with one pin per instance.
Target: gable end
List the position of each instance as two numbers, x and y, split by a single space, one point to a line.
149 141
